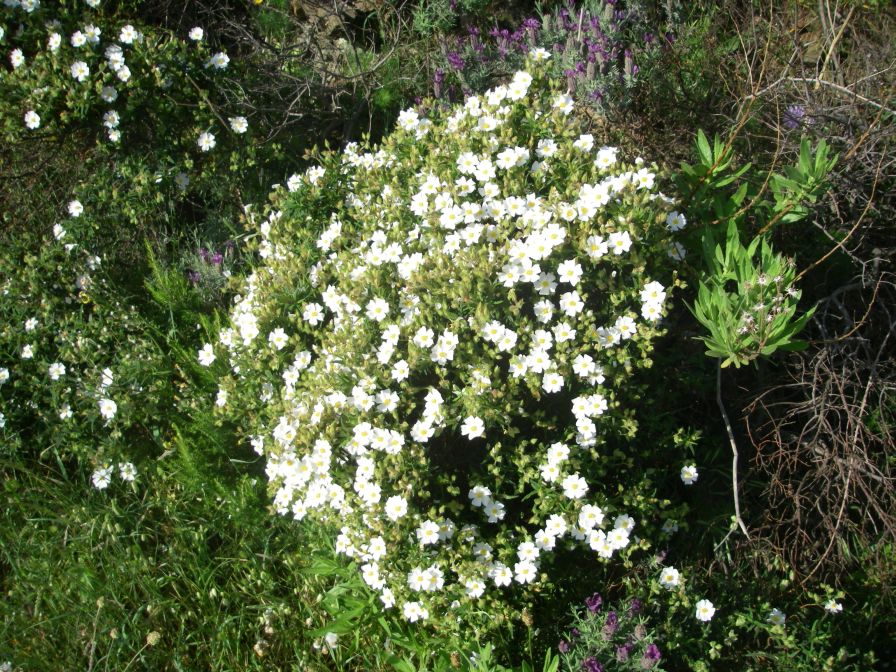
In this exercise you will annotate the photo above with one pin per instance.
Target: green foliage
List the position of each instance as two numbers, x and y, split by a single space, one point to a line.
748 307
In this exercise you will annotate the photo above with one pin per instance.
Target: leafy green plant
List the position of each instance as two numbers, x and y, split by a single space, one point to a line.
747 304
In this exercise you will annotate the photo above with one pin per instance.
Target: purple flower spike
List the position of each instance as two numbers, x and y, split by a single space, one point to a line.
594 603
635 607
563 646
793 116
455 60
592 665
651 656
622 653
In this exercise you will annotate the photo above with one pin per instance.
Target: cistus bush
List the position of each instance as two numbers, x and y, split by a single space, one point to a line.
80 377
433 355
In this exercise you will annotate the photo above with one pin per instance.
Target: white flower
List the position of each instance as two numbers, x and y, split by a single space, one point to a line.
206 141
32 119
590 516
540 54
108 408
705 610
563 103
494 511
472 427
552 382
677 251
78 39
111 119
776 617
377 309
123 73
833 607
675 221
27 351
128 35
584 142
127 471
219 61
92 3
109 94
400 370
238 124
17 58
574 486
80 71
75 208
196 34
56 371
670 578
620 242
54 42
525 571
689 474
92 33
315 173
4 375
102 477
396 507
414 611
221 399
207 355
278 339
428 533
606 157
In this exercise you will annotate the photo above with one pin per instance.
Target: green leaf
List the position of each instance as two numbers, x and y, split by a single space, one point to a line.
703 148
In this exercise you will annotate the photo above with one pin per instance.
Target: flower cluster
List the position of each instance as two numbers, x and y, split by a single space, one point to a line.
595 48
96 65
469 312
603 639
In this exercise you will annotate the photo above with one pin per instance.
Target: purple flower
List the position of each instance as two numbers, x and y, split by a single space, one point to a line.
591 665
575 633
564 646
455 60
193 277
651 656
635 607
622 652
611 625
793 116
593 603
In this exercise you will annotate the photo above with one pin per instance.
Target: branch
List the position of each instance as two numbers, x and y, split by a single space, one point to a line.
740 521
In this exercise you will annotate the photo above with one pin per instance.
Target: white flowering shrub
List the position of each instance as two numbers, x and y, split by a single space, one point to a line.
80 376
433 354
